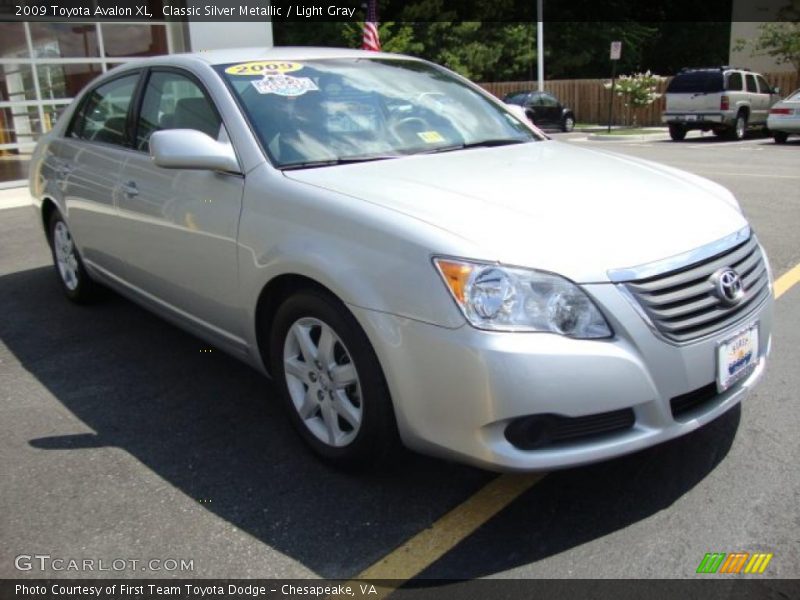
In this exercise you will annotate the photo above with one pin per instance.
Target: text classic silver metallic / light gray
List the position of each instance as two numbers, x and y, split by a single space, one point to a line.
407 258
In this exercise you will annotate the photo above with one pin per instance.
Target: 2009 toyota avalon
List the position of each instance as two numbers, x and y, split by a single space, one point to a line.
406 257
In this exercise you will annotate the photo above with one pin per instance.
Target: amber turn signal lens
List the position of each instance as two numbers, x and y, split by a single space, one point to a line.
456 275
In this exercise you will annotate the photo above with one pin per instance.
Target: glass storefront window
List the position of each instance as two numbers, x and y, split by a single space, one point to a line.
16 83
65 80
20 125
134 40
38 77
12 41
64 40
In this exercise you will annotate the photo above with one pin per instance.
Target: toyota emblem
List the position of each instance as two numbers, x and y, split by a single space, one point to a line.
728 286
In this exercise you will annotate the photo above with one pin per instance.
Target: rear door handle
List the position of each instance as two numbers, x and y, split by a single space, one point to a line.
130 189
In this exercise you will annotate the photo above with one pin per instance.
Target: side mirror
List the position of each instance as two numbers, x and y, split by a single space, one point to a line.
191 149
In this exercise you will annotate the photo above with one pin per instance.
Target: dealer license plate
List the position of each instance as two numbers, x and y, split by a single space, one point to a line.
737 357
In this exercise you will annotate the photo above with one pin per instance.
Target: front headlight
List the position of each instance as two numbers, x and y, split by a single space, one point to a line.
500 298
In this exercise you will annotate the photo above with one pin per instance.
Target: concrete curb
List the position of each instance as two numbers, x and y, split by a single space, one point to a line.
15 198
605 137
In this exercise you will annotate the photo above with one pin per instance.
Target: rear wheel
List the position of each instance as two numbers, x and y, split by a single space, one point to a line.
677 132
568 124
739 130
331 382
72 275
780 137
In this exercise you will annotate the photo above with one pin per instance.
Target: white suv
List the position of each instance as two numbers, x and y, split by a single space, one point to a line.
724 100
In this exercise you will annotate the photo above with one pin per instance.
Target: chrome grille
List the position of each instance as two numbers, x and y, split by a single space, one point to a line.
682 305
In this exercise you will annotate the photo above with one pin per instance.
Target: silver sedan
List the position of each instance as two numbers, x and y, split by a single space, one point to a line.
784 118
407 257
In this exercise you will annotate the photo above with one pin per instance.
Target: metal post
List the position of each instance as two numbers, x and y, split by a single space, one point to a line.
613 85
540 43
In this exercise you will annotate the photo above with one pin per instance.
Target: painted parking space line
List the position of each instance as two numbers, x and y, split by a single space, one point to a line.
425 548
739 173
418 553
785 282
714 143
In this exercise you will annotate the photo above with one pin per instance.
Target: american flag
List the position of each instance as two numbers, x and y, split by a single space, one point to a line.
371 39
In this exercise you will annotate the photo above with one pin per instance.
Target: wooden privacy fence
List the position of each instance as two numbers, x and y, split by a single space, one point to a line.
588 98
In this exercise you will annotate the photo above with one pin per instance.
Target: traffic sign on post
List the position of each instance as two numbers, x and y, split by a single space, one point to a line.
616 50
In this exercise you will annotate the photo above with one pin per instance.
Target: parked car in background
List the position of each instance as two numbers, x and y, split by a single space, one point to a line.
784 118
405 257
543 109
725 100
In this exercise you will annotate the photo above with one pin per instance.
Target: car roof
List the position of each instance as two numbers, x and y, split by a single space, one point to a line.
220 57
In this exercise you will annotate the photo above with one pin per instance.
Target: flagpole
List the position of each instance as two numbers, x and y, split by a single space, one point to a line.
540 43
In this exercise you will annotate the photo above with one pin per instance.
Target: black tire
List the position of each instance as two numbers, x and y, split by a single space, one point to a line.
739 129
568 123
780 137
78 286
677 132
376 440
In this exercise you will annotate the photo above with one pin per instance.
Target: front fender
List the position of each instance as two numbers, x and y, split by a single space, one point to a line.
368 256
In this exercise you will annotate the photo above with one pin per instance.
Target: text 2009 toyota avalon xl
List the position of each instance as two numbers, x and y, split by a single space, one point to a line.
408 259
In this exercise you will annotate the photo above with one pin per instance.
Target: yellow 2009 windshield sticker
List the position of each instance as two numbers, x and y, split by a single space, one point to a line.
262 67
430 137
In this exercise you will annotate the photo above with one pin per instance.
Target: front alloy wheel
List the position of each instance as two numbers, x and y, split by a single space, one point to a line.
322 382
330 380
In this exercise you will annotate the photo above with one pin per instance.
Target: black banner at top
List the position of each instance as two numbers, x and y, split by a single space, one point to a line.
398 10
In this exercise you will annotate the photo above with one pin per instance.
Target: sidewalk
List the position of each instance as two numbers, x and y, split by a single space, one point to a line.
15 197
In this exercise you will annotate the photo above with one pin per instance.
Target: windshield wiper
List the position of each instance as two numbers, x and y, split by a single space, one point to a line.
491 143
329 162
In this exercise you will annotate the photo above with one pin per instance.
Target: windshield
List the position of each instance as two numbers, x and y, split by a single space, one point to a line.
331 111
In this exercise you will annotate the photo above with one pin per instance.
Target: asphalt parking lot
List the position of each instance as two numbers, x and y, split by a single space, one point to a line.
121 438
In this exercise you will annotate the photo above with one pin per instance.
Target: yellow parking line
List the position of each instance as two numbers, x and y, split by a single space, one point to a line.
428 546
425 548
786 281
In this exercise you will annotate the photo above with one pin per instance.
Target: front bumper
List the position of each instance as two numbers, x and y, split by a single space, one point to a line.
456 390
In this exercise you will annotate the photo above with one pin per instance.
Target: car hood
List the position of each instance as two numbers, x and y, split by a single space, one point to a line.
547 205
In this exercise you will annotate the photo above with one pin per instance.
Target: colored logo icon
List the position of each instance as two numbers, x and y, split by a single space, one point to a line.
735 562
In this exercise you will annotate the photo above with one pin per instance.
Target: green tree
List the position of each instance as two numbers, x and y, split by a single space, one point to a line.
637 91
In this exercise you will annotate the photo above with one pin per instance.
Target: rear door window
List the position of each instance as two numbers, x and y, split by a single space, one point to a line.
103 116
763 86
518 98
696 82
751 84
735 82
174 101
548 100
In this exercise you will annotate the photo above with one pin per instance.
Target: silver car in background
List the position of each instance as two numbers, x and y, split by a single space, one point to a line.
784 118
408 259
